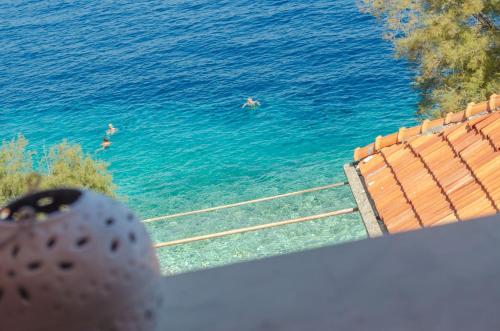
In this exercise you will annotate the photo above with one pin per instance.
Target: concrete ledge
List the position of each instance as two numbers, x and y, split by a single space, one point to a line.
442 278
372 226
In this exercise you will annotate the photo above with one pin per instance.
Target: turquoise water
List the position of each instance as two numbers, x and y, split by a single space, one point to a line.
172 75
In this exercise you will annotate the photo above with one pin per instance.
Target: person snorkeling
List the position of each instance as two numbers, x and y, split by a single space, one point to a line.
251 103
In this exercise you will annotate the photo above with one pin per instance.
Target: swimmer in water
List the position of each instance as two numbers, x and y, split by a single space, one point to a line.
251 103
104 144
111 129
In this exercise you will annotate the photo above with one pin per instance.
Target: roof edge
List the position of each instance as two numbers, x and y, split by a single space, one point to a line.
428 126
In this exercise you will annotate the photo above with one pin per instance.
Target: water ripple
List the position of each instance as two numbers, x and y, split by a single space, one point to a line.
172 75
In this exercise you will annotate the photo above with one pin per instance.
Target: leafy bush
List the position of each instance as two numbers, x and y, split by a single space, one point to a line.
65 165
15 168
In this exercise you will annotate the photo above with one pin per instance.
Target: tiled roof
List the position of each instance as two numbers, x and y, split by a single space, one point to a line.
441 171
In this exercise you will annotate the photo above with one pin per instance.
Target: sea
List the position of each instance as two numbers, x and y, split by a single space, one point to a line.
172 76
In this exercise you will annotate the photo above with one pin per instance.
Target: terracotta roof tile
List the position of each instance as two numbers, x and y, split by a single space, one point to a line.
409 132
417 182
495 194
477 154
492 133
491 127
464 141
456 117
455 131
495 140
486 120
435 123
439 172
420 144
374 166
471 122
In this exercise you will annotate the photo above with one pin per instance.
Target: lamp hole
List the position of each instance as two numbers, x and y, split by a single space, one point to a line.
23 293
131 237
51 242
35 265
41 217
15 250
115 244
65 265
45 201
64 208
4 213
82 242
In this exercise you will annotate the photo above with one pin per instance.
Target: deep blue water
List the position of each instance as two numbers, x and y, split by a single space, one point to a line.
172 76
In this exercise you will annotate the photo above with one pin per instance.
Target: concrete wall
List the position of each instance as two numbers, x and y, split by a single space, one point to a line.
445 278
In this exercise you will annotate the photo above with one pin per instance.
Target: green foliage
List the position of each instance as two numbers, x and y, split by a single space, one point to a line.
454 45
15 167
65 165
69 166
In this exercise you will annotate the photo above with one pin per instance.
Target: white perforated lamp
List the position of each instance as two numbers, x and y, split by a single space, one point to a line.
75 260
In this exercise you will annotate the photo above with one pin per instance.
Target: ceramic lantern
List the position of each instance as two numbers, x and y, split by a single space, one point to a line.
75 260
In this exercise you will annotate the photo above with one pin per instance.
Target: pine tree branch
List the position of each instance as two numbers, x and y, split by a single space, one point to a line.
486 22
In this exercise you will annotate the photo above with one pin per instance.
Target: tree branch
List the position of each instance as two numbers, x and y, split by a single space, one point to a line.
486 22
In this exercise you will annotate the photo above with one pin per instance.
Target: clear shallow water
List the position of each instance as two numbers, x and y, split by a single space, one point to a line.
172 75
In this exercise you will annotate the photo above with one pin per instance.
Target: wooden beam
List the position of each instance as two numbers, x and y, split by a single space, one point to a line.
242 203
256 227
365 208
